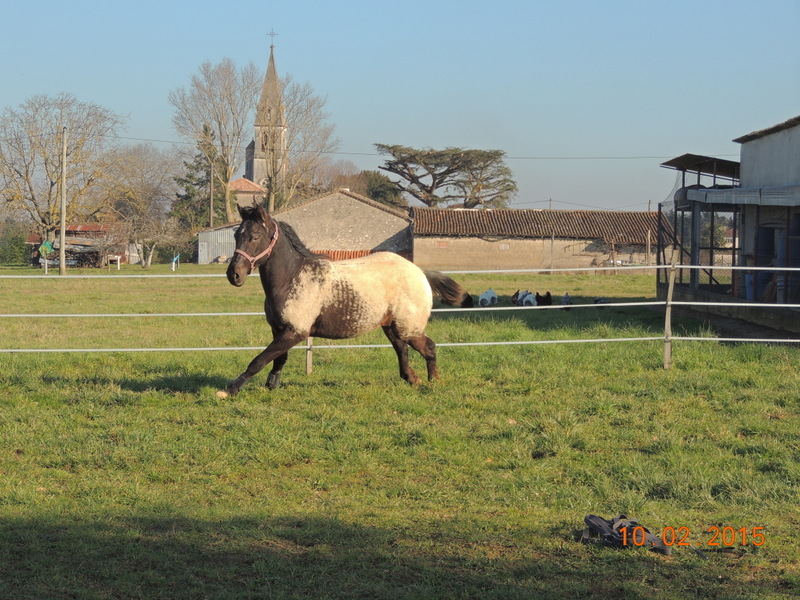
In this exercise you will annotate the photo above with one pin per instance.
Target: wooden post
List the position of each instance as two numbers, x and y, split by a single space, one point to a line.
309 355
668 314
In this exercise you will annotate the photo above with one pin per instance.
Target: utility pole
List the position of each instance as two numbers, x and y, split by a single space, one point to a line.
62 234
211 195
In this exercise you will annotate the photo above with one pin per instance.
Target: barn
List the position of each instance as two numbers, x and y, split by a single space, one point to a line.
746 214
341 224
481 239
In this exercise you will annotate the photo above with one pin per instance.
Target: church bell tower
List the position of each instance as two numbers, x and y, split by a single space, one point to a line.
266 154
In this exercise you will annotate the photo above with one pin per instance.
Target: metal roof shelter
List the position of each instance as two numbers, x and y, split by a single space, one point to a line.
704 165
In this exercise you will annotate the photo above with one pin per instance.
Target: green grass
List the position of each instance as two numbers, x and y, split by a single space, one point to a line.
122 475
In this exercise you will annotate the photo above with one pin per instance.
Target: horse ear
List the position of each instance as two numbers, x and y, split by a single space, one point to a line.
262 213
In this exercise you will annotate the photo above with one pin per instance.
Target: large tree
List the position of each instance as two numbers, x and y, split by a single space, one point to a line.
192 202
31 151
310 140
142 191
215 114
455 177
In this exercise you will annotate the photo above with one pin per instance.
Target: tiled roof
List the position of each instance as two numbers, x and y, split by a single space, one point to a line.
343 254
245 185
348 254
610 226
85 230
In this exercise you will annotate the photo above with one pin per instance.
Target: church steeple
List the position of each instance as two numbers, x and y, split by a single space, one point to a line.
270 111
266 156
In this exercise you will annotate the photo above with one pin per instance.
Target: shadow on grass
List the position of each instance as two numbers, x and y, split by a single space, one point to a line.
583 313
284 557
189 383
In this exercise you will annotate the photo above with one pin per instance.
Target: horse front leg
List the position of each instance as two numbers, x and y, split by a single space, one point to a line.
277 350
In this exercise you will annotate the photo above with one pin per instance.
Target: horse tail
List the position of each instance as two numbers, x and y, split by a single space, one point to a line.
450 291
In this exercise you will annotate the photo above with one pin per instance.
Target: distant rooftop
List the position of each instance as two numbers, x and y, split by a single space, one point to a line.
619 227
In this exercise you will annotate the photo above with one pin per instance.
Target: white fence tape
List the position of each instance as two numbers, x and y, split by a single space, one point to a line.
667 338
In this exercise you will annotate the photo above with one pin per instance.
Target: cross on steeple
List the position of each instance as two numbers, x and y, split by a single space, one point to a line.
272 35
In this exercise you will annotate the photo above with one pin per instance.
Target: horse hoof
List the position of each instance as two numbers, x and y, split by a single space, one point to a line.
222 394
273 381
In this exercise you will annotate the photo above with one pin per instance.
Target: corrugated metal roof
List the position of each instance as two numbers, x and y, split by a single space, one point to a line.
706 165
91 229
610 226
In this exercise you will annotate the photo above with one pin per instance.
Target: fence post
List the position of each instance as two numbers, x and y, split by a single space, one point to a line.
309 355
668 314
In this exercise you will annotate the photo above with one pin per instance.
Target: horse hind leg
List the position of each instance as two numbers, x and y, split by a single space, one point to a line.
274 377
401 348
427 348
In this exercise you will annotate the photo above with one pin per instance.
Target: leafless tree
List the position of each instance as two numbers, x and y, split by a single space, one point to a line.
310 141
31 158
142 190
218 104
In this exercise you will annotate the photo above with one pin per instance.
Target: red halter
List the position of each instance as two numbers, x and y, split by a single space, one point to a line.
267 252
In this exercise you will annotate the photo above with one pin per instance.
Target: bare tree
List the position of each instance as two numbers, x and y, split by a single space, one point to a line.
31 158
142 191
309 140
219 101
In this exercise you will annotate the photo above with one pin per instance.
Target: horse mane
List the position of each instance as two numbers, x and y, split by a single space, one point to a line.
297 243
254 213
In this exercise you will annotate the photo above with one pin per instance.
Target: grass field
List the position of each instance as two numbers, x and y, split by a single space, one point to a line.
122 476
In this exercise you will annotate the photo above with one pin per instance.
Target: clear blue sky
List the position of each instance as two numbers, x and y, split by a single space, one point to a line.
586 98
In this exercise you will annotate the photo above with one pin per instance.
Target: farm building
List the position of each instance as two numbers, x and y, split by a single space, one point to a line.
341 224
531 239
747 213
88 245
247 192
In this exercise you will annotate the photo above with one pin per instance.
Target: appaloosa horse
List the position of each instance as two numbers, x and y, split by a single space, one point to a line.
309 295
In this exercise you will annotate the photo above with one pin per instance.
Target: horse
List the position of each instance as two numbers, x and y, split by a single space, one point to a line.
307 294
546 300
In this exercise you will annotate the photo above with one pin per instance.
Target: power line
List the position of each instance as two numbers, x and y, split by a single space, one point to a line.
345 153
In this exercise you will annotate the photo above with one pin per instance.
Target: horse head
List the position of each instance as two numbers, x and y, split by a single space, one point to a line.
255 239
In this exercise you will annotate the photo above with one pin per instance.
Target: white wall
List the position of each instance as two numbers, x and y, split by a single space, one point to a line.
772 160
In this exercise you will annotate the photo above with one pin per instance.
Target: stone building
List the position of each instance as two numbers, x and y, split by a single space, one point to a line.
531 239
340 224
